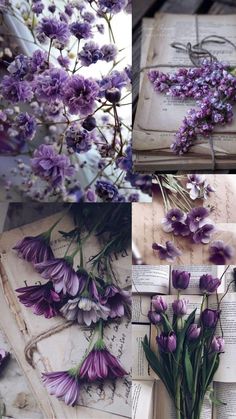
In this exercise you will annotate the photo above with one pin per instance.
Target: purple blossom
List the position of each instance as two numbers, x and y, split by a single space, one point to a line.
63 61
65 385
175 221
38 61
49 84
167 342
78 139
19 68
50 166
34 249
155 318
80 95
217 344
109 52
37 7
4 357
90 54
84 310
180 279
168 252
209 318
159 304
204 233
117 79
106 190
193 332
179 307
112 6
209 284
26 126
220 252
117 300
197 218
15 90
81 30
60 271
100 364
88 17
53 29
42 298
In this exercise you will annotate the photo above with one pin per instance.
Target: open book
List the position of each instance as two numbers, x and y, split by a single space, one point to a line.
153 135
62 350
225 378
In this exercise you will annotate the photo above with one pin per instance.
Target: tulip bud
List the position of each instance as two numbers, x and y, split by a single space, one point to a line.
209 318
159 304
167 342
154 317
217 344
193 332
179 307
180 279
208 283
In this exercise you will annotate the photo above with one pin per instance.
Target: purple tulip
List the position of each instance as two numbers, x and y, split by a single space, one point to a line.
209 284
168 252
155 318
65 385
217 344
159 304
193 332
84 310
42 298
180 279
117 300
34 249
100 364
60 271
220 253
4 357
167 342
179 307
209 318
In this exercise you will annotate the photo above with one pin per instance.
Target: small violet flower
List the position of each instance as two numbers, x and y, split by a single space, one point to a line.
168 252
220 253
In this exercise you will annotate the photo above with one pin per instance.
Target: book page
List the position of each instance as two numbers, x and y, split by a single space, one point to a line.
227 368
225 392
140 367
142 399
229 277
150 279
141 305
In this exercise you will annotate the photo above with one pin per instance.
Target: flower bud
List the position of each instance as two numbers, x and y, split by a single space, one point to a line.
193 332
180 279
208 283
89 123
113 95
209 318
217 344
159 304
167 342
179 307
154 317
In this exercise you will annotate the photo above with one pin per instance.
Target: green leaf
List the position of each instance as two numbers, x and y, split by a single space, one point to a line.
214 400
188 370
166 324
211 370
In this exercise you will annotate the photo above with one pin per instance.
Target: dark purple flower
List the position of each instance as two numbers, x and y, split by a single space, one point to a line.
42 298
217 344
81 30
179 307
204 233
112 6
34 249
197 217
155 318
84 310
80 95
90 54
113 95
78 139
209 284
53 29
4 357
65 385
167 252
167 342
15 90
117 300
50 166
159 304
26 126
60 271
209 318
193 332
172 216
109 52
100 364
49 84
89 123
106 190
220 252
180 279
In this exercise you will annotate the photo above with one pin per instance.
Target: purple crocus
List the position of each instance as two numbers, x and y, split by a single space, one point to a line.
193 332
42 298
204 233
60 271
84 310
180 279
167 342
100 364
80 94
34 249
179 307
217 344
117 300
155 318
4 357
168 252
208 284
65 385
51 166
220 252
209 318
159 304
53 29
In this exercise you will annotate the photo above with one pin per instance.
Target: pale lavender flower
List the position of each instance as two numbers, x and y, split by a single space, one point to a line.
15 90
194 184
80 95
217 344
19 68
220 253
34 249
65 385
90 54
49 84
112 6
175 221
109 52
84 310
81 30
53 29
168 252
26 126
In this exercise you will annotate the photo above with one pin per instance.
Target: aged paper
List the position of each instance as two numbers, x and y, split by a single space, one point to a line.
150 279
142 399
141 305
226 392
140 367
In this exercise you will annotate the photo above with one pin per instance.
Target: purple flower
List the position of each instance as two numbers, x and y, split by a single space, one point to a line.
37 7
117 300
100 364
50 166
197 218
34 249
209 318
109 52
26 126
217 344
60 271
19 68
78 139
53 29
154 317
4 357
194 184
38 61
179 307
159 304
167 252
106 190
112 6
16 90
220 252
65 385
117 79
80 95
209 284
167 342
203 234
171 216
81 30
84 310
49 84
180 279
90 54
193 332
42 298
